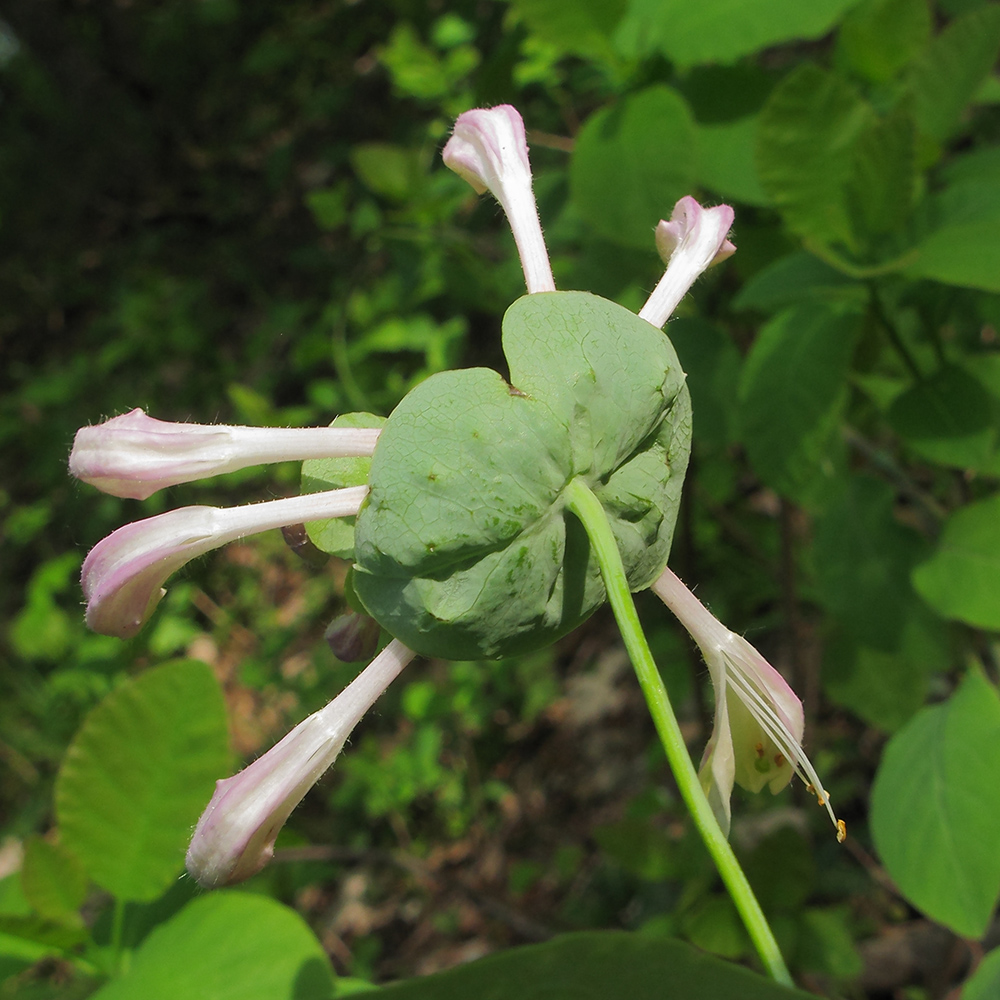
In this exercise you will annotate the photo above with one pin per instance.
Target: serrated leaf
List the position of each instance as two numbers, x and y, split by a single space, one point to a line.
53 880
631 162
138 774
799 277
962 579
935 808
464 549
227 946
792 394
336 535
595 965
722 30
946 76
949 418
806 142
881 184
879 37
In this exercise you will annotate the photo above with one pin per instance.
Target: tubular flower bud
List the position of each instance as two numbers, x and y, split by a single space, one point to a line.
489 150
135 455
693 240
123 575
235 836
757 736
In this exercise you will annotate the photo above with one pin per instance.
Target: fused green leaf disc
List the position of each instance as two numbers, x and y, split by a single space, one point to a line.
464 548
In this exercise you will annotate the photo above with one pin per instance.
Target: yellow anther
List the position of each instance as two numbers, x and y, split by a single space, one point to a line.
841 831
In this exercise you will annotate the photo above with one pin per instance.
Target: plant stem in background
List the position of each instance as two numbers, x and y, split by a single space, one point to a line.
582 502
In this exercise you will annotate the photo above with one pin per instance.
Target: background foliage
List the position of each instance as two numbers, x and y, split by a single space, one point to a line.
235 211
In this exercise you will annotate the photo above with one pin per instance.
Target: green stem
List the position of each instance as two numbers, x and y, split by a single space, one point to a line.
117 934
582 502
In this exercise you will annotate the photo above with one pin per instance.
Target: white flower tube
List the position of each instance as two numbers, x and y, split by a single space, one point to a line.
757 736
235 836
693 240
123 574
489 150
135 455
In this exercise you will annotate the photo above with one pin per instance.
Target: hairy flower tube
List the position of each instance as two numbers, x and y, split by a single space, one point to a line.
235 836
135 455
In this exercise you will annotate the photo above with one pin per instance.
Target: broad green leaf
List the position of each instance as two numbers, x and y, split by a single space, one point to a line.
951 419
886 688
714 926
935 808
138 774
799 277
879 37
336 535
53 879
712 363
583 28
806 151
792 393
962 579
722 30
883 176
967 255
463 547
949 72
863 559
826 945
632 161
227 946
984 983
726 161
595 965
979 165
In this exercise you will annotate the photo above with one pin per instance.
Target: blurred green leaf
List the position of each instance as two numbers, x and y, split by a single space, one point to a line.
54 881
799 277
878 38
594 966
727 163
138 775
962 579
935 808
807 151
967 255
951 419
639 847
391 171
632 161
227 946
825 943
951 69
791 398
722 30
582 28
984 983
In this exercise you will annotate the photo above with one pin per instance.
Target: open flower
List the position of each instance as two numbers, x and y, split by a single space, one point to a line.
757 736
235 836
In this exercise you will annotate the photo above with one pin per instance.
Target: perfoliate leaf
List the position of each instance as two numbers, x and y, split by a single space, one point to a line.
336 535
936 808
464 549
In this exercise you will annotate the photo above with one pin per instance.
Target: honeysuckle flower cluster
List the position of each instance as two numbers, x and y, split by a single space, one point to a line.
757 735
